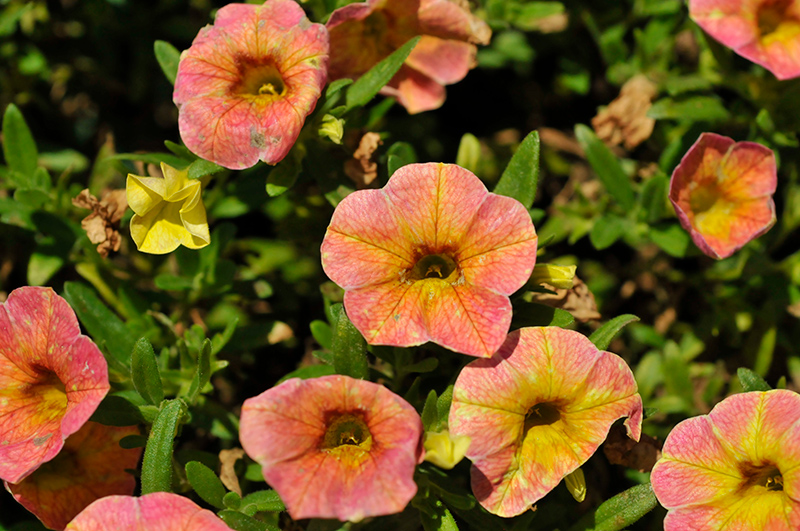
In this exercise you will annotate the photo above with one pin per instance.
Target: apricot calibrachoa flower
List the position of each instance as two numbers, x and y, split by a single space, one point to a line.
247 83
91 465
168 211
736 468
364 33
334 447
51 379
722 192
162 511
432 256
536 411
766 32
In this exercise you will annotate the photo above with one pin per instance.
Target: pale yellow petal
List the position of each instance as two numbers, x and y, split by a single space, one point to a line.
144 193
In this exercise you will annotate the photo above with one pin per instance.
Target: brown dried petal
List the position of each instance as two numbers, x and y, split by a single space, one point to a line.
625 119
578 300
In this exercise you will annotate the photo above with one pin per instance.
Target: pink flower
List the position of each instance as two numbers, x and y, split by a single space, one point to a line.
722 192
736 468
766 32
91 465
51 379
536 411
432 256
159 511
334 447
362 34
247 83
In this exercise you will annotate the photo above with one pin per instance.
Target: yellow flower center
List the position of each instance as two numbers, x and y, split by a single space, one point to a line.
766 476
262 80
437 266
776 22
347 431
52 393
542 414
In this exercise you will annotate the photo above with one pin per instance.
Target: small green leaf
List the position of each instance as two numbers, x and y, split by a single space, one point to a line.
203 373
620 511
469 152
438 519
312 371
168 58
284 175
170 282
368 85
19 146
695 109
602 336
606 166
232 500
117 411
157 462
130 442
443 405
535 314
426 365
429 413
398 155
521 177
264 500
348 346
242 522
671 238
205 483
321 331
201 168
751 381
101 323
145 374
607 230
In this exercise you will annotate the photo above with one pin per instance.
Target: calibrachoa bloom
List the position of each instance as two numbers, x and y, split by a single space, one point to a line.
91 465
168 211
432 256
536 411
51 379
722 192
334 447
766 32
736 468
364 33
162 511
247 83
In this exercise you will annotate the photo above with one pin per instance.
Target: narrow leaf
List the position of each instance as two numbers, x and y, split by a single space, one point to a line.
368 85
157 462
242 522
521 176
620 511
606 231
145 374
602 336
203 373
264 500
348 346
606 166
19 148
205 483
168 58
429 411
751 381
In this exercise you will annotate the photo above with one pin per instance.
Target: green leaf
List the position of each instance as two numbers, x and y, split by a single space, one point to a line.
322 333
157 462
242 522
101 323
620 511
695 109
312 371
348 346
535 314
602 336
170 282
751 381
203 373
653 198
205 483
264 500
201 167
19 148
368 85
398 155
232 500
153 158
429 413
671 238
607 230
606 166
438 519
521 176
117 411
443 405
469 152
168 58
426 365
145 374
130 442
284 175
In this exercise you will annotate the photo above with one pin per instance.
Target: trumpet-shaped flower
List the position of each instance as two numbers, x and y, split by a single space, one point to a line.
766 32
736 468
161 511
51 379
364 33
334 447
168 211
91 465
247 83
432 256
536 411
722 192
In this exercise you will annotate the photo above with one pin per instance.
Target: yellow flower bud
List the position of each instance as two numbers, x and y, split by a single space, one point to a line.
443 450
576 484
332 128
560 277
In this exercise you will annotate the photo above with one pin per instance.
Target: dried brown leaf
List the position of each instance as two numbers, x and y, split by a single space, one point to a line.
625 119
227 472
578 300
362 169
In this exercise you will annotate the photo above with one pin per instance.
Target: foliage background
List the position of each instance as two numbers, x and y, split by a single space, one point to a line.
86 79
